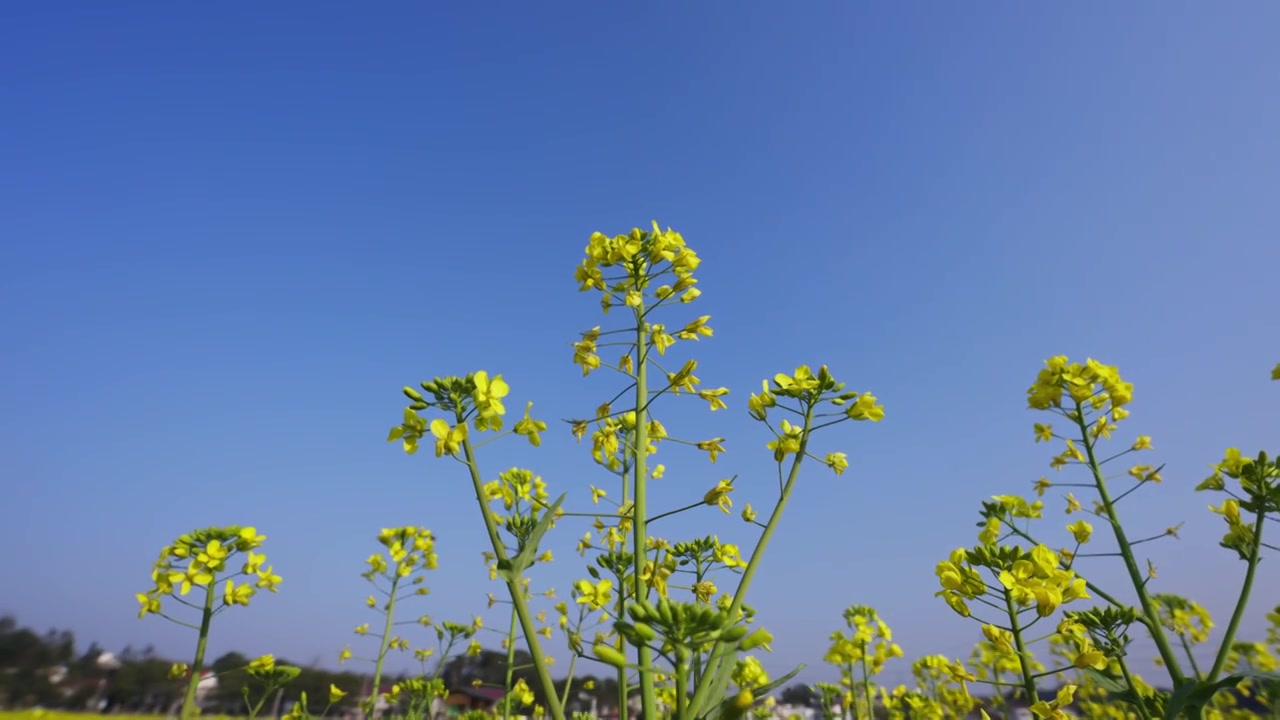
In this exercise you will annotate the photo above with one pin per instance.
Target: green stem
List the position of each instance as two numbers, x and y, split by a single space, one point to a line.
1126 552
382 648
718 668
514 589
206 616
568 681
682 686
866 684
1246 589
1024 659
639 523
1195 667
511 666
853 699
1138 702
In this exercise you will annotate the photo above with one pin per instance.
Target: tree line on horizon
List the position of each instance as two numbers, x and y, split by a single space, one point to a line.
48 670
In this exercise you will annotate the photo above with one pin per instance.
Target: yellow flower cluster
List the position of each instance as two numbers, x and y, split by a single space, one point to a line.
1183 617
641 255
410 548
1092 383
749 674
1037 579
198 559
1029 578
869 644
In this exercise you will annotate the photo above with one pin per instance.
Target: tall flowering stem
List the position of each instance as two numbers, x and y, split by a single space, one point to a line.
701 642
209 556
640 503
634 574
409 553
1094 399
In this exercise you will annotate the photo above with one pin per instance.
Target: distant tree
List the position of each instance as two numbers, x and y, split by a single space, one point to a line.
799 694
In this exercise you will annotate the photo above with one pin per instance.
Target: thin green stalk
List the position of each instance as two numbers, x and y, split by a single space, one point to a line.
382 649
1246 589
639 524
697 656
568 681
853 704
1028 682
1191 658
1126 552
511 666
866 684
514 589
202 642
1138 702
717 669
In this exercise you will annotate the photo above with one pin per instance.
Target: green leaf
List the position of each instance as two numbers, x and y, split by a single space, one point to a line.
1106 682
507 572
525 557
1200 693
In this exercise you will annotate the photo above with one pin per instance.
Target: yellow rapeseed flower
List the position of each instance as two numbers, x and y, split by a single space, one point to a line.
719 495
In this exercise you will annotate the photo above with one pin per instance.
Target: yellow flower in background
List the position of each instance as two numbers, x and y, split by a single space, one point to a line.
594 596
837 461
712 447
531 428
714 397
1081 531
264 663
749 674
719 495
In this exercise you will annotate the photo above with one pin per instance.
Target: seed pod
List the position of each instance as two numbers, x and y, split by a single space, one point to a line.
637 612
610 655
645 632
664 612
680 612
649 610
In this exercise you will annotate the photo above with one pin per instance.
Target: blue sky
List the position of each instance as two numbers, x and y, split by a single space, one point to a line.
231 235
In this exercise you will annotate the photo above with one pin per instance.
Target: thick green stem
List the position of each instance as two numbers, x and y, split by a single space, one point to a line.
716 676
639 512
206 616
682 687
515 590
1024 659
386 643
1126 552
1246 589
511 666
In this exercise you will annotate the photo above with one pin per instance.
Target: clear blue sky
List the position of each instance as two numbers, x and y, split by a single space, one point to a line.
228 236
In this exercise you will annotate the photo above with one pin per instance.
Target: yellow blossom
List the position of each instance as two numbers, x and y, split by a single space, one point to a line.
719 495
